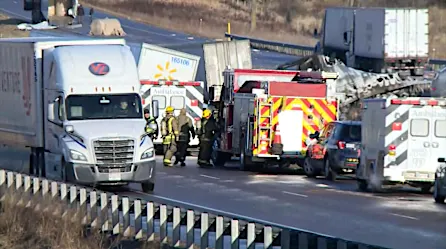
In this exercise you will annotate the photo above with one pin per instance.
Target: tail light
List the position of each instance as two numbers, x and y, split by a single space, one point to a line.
341 145
392 149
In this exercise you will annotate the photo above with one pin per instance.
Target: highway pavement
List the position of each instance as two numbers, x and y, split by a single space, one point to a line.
396 219
138 32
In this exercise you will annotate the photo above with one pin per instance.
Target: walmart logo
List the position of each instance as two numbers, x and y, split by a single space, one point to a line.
165 73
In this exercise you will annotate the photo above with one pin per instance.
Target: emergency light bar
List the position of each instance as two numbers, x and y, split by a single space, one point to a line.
431 102
170 83
317 75
330 75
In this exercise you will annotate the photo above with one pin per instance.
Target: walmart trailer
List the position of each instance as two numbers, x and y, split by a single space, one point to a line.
402 139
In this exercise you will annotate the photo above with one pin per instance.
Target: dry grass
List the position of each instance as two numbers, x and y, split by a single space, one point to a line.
8 27
23 227
292 21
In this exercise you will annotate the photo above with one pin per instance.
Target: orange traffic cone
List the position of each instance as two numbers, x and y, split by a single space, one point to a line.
277 146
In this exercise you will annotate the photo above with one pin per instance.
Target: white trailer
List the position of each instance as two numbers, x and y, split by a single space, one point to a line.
158 63
76 104
380 40
218 56
402 139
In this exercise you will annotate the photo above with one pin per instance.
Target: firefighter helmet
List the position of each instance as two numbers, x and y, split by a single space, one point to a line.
169 109
206 113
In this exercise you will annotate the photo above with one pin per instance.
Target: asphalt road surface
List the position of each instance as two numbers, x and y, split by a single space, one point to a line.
137 32
397 219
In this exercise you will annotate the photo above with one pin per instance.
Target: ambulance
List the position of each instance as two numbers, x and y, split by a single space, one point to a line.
402 139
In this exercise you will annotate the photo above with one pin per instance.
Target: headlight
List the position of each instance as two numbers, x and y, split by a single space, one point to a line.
147 154
77 156
153 126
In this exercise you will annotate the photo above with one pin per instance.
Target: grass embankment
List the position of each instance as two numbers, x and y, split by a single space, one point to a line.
8 27
23 227
291 21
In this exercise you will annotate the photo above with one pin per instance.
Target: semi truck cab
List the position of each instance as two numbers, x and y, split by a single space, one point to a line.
77 106
95 128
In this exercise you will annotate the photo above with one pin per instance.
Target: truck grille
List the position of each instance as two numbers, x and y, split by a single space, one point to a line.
114 154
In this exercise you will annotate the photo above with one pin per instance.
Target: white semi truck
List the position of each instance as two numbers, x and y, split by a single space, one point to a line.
76 104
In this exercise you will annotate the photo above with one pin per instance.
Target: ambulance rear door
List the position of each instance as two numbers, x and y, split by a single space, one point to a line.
421 145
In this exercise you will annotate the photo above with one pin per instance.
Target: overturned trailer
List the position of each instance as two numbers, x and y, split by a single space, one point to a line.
353 85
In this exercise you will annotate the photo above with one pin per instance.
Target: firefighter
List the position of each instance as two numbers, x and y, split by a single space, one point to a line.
151 127
186 128
206 133
169 131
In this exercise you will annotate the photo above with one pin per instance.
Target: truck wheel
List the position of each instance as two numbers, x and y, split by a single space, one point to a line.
362 184
245 163
308 168
63 171
33 170
437 193
148 187
329 174
426 189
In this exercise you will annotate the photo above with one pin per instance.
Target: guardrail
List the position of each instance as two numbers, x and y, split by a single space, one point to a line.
185 227
293 49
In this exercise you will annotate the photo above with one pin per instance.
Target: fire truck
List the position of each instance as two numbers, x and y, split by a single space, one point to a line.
266 116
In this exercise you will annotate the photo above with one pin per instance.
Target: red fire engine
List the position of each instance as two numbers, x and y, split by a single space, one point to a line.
256 106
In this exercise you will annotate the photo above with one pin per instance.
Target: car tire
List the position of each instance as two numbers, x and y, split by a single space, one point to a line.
437 195
308 168
329 174
148 187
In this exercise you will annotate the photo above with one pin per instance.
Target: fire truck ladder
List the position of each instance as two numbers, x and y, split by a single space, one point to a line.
261 126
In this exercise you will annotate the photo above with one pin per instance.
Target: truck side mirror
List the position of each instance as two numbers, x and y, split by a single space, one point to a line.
346 38
211 93
155 109
51 116
441 160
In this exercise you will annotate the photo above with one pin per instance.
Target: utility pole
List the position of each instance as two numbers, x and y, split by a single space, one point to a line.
253 14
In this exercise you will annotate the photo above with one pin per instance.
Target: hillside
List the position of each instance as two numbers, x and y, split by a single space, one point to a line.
292 21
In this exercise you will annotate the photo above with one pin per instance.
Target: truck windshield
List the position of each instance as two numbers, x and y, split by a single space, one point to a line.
103 106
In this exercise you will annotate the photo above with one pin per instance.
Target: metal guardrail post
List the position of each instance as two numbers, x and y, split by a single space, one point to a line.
176 227
150 220
138 219
190 233
163 224
93 209
235 233
105 223
219 230
251 235
204 231
126 217
115 214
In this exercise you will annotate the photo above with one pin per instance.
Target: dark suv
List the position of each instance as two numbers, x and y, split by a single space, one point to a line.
336 151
